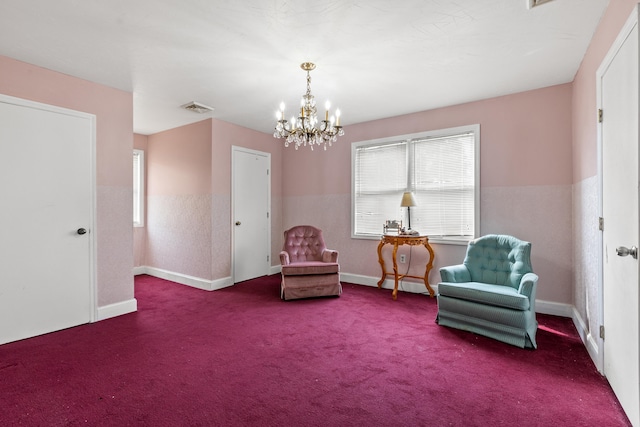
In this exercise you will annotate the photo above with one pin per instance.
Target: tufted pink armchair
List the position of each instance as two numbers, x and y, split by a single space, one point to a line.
309 269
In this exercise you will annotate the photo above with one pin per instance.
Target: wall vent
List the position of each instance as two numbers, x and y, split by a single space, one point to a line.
197 107
533 3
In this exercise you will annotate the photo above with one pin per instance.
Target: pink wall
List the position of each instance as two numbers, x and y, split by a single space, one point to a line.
587 288
525 183
525 140
585 155
114 140
180 160
225 135
178 229
189 196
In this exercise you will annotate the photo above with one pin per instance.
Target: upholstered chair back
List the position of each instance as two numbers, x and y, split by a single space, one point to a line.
304 243
498 259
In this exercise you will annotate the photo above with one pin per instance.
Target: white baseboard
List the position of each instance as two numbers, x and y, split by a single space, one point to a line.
139 270
588 339
184 279
404 285
554 308
117 309
543 307
275 269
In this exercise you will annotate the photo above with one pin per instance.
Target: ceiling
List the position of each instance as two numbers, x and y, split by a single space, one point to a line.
374 58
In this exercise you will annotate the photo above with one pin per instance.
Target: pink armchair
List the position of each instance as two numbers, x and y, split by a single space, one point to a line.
309 269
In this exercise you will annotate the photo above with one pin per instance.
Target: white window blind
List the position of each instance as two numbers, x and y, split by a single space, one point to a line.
138 188
443 186
440 168
381 176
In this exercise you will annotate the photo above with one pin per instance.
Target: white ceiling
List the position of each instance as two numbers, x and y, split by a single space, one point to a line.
374 58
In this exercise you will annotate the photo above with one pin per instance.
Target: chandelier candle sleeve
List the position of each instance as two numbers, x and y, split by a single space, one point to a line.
307 129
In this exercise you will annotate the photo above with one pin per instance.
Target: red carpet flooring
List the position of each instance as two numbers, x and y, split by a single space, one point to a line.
242 357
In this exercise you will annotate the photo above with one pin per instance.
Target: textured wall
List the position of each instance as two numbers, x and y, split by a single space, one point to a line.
586 250
178 236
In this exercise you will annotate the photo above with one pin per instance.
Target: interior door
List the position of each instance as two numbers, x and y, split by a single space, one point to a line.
46 188
251 201
619 98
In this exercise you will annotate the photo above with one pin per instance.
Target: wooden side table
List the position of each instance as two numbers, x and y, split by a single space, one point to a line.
399 240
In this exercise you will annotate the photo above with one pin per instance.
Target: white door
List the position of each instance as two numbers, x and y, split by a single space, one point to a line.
619 103
46 193
251 222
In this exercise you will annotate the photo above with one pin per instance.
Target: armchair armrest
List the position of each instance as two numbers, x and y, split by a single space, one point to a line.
329 255
455 274
284 258
528 285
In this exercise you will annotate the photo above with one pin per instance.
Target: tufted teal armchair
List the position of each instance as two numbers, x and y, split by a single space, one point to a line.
309 269
492 292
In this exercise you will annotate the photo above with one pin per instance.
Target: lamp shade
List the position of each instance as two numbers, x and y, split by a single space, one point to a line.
408 200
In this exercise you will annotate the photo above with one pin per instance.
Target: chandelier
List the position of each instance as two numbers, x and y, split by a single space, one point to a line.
306 129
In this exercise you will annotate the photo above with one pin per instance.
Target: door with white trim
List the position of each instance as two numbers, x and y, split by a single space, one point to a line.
618 80
46 220
251 183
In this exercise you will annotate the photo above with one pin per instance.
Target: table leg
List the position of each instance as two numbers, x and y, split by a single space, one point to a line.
381 261
429 267
394 294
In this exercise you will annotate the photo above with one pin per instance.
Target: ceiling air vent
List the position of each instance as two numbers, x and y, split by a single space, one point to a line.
196 107
533 3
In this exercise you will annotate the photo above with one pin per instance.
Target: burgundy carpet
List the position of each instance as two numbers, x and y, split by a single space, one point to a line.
241 356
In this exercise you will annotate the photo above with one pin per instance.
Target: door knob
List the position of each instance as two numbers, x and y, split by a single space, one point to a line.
622 251
238 223
82 231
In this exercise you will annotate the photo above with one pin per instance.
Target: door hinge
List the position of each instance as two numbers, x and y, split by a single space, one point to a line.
267 214
600 115
267 258
267 171
601 224
602 331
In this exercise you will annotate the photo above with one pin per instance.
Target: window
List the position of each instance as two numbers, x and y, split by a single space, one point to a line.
138 188
441 168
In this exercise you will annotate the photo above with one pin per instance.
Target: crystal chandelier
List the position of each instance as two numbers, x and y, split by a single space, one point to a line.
306 129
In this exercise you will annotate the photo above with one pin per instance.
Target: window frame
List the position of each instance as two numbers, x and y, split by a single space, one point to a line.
138 222
439 133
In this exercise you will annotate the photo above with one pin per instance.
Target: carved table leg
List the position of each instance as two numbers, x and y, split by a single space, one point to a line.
381 261
394 294
429 267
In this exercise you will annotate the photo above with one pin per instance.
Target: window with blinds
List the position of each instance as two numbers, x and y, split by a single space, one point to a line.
138 188
441 168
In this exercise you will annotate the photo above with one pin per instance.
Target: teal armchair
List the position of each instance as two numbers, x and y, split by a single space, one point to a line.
493 292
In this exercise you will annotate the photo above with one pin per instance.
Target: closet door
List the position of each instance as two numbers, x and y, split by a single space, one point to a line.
618 79
46 220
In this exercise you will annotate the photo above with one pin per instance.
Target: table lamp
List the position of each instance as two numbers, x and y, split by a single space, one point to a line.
407 201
